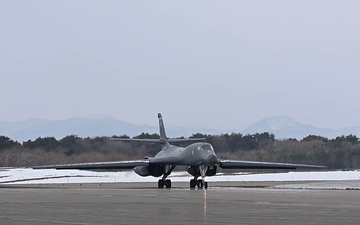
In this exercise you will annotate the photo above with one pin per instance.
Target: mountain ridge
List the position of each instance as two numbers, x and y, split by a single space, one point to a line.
285 127
281 126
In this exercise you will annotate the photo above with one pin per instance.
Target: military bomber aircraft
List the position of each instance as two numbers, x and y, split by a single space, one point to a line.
199 158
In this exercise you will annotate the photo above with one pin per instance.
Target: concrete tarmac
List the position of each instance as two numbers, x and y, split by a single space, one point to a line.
141 203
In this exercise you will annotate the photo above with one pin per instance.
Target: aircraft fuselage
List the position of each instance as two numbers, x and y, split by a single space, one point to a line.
193 155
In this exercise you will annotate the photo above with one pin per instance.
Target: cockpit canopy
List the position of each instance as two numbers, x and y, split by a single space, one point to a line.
205 146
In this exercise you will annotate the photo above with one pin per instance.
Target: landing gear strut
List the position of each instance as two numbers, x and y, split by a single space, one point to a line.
201 183
163 181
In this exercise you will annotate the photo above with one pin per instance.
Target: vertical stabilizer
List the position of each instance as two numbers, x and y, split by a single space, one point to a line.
163 137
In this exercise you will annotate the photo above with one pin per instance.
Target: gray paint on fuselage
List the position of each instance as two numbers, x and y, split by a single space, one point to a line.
192 155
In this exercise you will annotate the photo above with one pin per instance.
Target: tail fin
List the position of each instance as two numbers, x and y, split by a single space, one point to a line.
162 140
163 137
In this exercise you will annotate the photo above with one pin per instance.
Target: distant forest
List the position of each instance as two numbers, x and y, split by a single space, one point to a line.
342 152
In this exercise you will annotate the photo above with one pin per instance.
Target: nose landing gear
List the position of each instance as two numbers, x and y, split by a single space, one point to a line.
201 183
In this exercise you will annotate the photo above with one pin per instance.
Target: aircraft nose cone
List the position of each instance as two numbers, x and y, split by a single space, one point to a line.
210 160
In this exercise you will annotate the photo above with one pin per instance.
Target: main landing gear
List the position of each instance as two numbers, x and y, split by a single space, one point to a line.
163 181
166 183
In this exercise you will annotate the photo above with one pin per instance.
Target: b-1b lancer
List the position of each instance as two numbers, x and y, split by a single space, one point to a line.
199 158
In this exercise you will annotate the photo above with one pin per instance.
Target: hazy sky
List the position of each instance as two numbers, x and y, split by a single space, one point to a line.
209 64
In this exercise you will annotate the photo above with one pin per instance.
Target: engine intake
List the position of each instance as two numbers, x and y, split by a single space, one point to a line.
194 171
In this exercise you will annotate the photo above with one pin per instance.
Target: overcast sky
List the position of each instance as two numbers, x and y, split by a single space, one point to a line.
208 64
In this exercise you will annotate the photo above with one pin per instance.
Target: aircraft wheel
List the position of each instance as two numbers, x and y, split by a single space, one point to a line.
200 184
205 185
168 183
161 184
192 183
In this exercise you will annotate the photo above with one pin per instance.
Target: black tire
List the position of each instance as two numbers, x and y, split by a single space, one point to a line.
205 185
192 183
168 183
161 184
200 184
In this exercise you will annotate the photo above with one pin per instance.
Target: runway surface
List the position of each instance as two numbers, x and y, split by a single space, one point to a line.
141 203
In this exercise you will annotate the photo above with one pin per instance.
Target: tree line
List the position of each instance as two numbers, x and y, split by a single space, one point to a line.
342 152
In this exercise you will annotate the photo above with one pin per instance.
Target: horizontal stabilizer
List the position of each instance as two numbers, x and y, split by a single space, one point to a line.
160 141
173 140
163 139
138 140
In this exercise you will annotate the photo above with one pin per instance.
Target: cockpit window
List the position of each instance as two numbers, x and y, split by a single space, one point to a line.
205 147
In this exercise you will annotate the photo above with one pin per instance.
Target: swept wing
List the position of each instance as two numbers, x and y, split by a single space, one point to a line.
98 165
235 164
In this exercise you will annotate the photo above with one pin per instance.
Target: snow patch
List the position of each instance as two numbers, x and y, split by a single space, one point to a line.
52 176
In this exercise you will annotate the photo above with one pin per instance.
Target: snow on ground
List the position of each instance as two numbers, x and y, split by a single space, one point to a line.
48 176
293 176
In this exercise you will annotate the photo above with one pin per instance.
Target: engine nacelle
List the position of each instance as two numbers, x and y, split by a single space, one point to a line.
142 170
151 170
211 171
